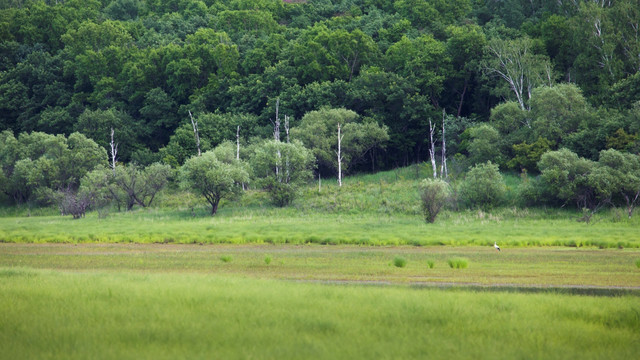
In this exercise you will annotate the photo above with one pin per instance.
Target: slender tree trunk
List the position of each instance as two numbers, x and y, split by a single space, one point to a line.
432 151
276 136
339 157
238 143
443 167
114 152
194 123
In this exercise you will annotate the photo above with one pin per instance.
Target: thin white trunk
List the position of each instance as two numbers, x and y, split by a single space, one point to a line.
443 167
238 143
432 151
276 136
114 152
286 129
194 123
339 156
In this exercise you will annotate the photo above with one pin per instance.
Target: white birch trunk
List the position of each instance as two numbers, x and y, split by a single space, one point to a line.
443 167
194 123
238 143
432 152
339 157
114 152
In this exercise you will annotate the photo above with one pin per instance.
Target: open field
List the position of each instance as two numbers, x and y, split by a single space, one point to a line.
539 267
166 301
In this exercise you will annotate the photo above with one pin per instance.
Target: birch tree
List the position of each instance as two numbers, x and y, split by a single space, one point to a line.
515 63
194 123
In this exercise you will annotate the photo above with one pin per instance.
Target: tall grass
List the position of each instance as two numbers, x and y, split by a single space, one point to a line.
162 316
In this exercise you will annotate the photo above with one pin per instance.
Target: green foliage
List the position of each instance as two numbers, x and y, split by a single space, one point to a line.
281 168
483 186
399 261
214 178
434 193
430 264
318 131
36 165
226 258
267 259
484 145
564 175
526 156
458 263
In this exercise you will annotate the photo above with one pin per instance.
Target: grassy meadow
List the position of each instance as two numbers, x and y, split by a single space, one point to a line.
351 272
106 315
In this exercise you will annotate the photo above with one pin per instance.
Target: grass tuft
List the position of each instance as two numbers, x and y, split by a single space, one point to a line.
638 263
430 264
267 259
399 261
458 263
226 258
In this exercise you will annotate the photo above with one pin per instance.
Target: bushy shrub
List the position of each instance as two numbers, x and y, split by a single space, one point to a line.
399 261
434 194
483 187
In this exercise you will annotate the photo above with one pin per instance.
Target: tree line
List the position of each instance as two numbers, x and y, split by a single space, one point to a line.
535 75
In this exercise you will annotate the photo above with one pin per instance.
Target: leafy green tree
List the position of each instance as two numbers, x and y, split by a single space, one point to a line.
281 168
213 178
141 185
565 176
318 132
526 156
97 125
558 111
424 60
620 175
485 145
434 194
483 186
522 70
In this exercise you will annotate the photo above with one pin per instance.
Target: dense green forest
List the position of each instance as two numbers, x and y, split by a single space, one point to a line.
506 81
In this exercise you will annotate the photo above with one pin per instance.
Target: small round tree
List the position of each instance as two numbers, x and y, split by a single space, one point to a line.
483 186
280 168
434 194
213 178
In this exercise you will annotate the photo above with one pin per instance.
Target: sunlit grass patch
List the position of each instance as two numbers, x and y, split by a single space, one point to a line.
458 263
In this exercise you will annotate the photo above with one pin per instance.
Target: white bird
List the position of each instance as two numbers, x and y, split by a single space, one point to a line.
495 245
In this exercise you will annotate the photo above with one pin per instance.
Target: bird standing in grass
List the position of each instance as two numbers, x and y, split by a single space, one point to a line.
495 245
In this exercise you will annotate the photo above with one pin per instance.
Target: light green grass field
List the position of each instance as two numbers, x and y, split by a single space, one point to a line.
48 314
510 227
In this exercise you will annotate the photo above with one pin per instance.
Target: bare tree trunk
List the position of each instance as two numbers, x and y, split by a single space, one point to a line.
432 151
114 152
195 132
339 157
238 143
444 173
276 136
286 129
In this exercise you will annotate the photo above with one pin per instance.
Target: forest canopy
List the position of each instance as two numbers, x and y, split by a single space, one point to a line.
510 79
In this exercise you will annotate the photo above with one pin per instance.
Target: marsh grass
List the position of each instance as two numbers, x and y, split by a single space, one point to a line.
116 315
458 263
